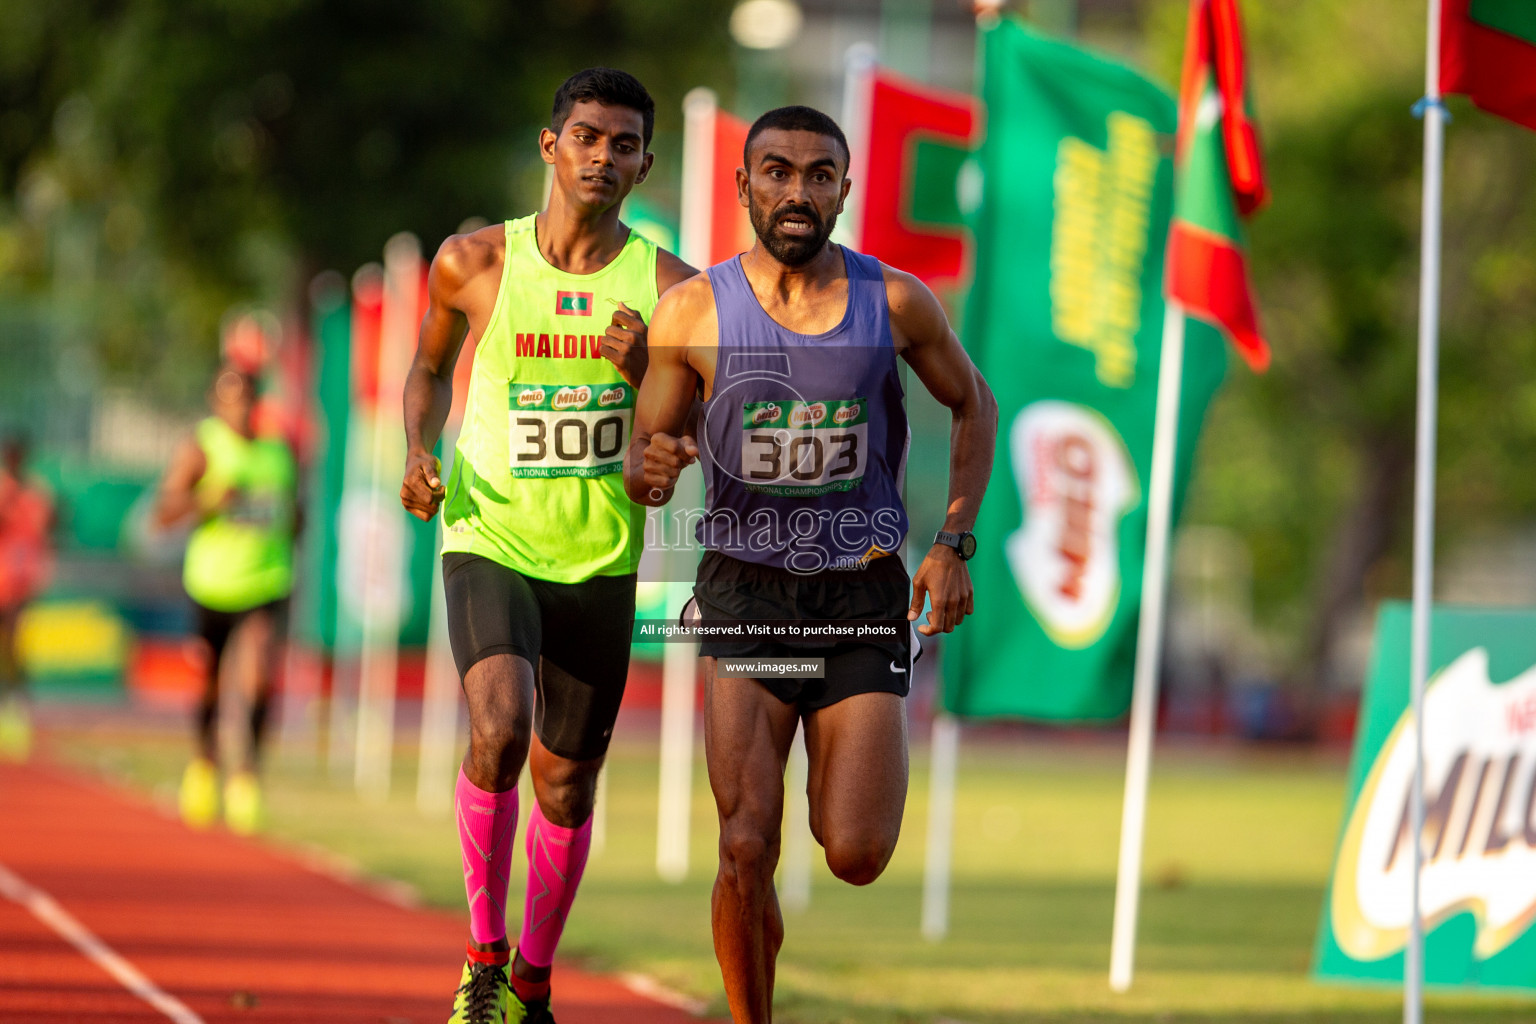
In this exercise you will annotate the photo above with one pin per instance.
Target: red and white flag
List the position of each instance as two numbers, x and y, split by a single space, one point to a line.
714 225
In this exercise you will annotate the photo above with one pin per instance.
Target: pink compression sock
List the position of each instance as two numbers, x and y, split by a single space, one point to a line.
487 824
556 857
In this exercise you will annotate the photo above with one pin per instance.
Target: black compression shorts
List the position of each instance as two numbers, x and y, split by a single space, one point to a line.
215 627
583 628
730 590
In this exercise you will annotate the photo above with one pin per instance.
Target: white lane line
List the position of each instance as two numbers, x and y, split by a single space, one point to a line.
650 988
47 910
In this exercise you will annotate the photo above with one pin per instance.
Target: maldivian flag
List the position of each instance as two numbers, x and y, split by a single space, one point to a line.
714 225
1488 52
1219 181
917 140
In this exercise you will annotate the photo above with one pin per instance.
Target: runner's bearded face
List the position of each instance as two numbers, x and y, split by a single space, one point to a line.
795 191
599 154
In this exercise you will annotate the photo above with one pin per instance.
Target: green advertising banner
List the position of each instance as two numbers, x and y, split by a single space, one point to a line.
332 328
1065 320
1478 889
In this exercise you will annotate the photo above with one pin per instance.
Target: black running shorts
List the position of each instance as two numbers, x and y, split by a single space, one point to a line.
581 628
730 590
215 627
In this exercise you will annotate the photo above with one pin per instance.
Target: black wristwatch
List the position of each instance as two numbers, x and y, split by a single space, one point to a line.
963 542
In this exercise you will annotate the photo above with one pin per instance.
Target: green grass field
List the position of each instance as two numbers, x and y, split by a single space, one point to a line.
1238 853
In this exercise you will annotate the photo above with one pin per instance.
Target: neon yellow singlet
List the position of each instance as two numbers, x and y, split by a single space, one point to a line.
242 556
537 482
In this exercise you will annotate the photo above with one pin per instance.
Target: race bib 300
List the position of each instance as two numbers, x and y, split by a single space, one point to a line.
569 429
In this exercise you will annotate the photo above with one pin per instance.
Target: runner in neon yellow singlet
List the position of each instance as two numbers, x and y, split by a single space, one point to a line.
537 483
540 543
239 490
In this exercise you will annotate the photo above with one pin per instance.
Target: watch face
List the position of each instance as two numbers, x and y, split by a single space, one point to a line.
967 546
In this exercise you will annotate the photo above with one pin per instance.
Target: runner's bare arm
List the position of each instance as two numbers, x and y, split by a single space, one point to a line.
429 384
661 447
925 339
624 343
177 497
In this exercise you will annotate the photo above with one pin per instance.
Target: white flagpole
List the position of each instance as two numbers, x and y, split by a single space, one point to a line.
1424 493
795 867
679 660
386 574
693 229
440 699
1149 649
943 755
859 62
674 806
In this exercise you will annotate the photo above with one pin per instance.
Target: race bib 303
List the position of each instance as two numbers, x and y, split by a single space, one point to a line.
804 448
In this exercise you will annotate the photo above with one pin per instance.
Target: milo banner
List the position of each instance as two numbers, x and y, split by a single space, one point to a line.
1478 889
1065 320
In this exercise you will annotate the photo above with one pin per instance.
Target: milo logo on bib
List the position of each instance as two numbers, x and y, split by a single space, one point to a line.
804 449
568 429
808 415
572 398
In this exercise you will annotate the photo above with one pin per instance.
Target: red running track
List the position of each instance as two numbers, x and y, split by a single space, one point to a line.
228 929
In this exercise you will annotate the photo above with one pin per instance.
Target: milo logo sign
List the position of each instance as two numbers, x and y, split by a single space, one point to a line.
847 414
613 396
1479 792
1076 481
808 415
765 414
530 397
572 398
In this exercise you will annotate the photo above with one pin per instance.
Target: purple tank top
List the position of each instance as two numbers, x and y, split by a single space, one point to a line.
804 438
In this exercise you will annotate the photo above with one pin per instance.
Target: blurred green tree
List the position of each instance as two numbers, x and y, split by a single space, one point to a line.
188 155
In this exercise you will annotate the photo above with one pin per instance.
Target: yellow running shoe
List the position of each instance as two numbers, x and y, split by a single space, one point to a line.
242 804
484 996
15 731
200 793
535 1011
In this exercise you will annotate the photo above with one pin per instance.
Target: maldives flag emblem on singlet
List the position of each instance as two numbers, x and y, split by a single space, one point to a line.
573 303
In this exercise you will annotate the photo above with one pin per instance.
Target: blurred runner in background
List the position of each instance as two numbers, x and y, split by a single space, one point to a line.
540 544
26 565
238 489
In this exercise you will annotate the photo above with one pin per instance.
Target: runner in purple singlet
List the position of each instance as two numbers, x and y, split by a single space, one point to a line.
802 438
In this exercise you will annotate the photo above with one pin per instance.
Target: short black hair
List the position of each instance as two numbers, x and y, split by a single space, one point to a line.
611 88
795 119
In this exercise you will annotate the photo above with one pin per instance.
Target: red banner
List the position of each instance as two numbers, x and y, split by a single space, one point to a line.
917 137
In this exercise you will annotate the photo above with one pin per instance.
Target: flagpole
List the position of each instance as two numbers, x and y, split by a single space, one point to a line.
679 660
385 590
440 690
1424 493
943 758
1149 649
944 738
859 62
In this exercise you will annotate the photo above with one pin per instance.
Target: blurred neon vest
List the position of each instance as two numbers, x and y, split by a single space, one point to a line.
241 556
